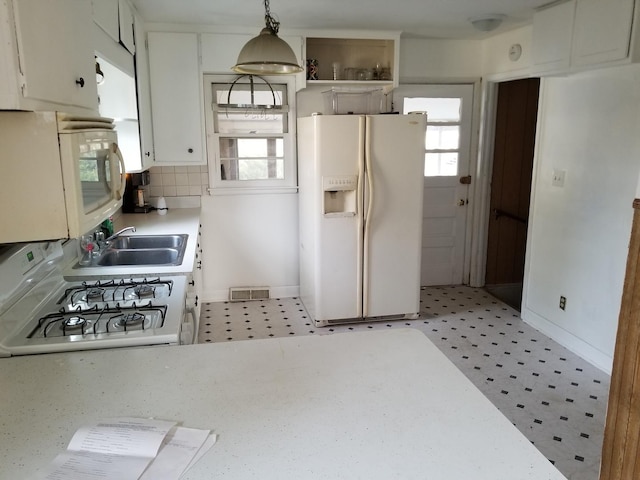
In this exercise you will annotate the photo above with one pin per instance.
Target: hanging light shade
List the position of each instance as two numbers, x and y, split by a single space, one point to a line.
267 54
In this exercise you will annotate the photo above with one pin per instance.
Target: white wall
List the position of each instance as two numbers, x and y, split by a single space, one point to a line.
496 63
251 241
579 234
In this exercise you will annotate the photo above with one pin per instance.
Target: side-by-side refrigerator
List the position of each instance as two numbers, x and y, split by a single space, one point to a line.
361 189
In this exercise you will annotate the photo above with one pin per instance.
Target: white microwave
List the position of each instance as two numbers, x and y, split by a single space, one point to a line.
62 175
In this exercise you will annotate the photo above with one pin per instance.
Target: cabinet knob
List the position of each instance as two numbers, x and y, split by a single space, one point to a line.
147 154
200 265
192 283
80 82
190 150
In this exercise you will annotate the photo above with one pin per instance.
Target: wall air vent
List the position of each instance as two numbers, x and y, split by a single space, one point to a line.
240 294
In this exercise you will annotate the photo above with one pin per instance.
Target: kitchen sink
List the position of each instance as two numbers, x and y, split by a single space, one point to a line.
135 250
149 241
141 256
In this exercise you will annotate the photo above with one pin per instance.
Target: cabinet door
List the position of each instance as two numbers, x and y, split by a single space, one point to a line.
552 33
220 51
176 98
125 14
602 31
105 15
56 54
143 96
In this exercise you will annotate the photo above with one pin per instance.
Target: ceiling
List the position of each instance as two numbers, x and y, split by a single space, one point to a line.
414 18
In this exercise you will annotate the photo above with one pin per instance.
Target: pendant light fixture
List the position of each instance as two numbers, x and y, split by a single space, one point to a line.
267 54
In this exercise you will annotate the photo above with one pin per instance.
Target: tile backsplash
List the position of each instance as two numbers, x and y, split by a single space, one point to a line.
178 181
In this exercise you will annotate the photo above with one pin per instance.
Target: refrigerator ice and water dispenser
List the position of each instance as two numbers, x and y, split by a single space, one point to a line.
339 196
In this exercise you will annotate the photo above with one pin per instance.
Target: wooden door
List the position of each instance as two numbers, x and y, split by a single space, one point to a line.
511 187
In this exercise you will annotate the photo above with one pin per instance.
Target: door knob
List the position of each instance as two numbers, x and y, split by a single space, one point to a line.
462 202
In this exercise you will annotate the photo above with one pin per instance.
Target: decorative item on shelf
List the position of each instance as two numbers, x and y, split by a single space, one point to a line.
376 71
385 74
336 71
267 54
312 69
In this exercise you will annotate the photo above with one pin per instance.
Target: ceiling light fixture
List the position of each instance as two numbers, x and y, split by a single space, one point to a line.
487 23
267 54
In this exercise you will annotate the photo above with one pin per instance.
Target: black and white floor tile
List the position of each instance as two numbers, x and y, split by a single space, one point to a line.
555 398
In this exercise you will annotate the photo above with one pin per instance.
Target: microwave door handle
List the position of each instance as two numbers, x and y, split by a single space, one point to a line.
123 172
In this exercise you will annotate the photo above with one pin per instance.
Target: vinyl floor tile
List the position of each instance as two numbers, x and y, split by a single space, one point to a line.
555 398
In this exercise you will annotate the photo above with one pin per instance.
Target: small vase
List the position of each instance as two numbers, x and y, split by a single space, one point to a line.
312 69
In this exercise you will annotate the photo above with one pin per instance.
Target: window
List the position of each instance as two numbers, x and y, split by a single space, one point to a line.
443 133
250 132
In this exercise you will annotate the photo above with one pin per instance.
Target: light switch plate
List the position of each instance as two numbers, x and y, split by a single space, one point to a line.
558 177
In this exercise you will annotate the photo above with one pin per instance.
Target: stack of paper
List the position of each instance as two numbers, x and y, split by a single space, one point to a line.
130 449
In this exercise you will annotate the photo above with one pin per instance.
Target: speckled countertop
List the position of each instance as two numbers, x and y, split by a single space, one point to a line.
366 405
177 220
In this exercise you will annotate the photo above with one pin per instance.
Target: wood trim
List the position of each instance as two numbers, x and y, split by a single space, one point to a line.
620 451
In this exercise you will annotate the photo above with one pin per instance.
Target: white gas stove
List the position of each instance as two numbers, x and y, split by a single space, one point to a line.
40 312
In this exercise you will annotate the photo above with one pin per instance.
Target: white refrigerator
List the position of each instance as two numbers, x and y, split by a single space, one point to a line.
360 203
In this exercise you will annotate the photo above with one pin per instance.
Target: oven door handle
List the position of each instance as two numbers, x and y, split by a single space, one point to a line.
187 328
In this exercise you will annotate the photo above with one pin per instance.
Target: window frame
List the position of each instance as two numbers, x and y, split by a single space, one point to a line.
219 186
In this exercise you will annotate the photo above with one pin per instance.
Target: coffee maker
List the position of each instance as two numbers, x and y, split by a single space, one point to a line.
135 196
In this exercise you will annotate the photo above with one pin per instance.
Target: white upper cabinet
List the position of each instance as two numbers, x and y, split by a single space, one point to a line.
116 18
602 31
580 34
105 14
48 56
125 22
552 35
144 97
176 98
220 51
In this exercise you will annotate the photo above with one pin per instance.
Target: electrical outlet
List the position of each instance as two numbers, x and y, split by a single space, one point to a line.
563 303
558 177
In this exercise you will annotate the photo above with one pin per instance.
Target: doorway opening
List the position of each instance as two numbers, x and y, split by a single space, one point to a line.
514 144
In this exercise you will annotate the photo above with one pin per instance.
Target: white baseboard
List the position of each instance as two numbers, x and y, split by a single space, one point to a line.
568 340
274 292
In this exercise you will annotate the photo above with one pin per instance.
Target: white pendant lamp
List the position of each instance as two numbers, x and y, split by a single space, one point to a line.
267 54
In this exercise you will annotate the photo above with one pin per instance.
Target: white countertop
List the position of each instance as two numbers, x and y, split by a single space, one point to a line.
177 220
369 405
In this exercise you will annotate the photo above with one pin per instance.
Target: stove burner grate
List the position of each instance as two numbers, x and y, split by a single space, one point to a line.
144 291
130 319
74 322
95 294
104 320
112 290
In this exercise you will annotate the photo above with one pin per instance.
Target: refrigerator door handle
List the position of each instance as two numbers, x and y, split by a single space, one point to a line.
361 218
367 216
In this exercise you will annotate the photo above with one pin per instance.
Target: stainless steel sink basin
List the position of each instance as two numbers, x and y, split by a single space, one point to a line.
149 241
141 256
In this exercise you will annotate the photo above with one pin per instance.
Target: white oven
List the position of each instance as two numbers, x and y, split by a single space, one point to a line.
63 173
40 312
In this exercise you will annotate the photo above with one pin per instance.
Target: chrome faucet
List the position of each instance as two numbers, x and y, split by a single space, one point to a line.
118 233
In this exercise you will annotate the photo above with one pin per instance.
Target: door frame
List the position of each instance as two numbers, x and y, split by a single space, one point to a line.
481 204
